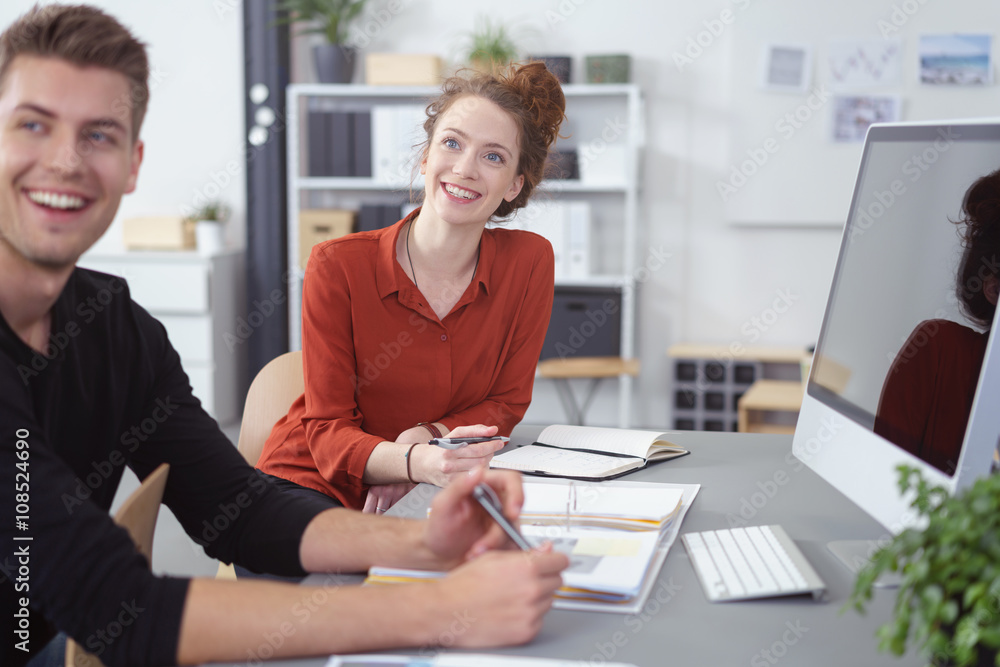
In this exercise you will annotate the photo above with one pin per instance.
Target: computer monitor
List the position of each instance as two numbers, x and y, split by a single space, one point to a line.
893 301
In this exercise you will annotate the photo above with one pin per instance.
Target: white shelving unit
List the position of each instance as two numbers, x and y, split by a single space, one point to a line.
605 123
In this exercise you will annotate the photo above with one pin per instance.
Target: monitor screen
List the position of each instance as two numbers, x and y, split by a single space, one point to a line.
899 362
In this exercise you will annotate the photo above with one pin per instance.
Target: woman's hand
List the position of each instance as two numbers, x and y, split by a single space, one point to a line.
432 464
438 465
383 496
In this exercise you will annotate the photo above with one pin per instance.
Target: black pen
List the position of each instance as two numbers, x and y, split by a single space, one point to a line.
488 499
456 443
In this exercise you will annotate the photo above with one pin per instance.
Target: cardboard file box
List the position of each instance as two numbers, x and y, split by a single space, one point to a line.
586 322
316 226
158 233
402 69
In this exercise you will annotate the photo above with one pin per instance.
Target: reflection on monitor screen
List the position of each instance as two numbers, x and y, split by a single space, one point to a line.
903 370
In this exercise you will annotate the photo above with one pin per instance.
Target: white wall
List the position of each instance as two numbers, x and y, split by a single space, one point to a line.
194 126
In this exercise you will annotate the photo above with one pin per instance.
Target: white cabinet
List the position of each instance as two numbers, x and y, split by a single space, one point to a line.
605 125
197 298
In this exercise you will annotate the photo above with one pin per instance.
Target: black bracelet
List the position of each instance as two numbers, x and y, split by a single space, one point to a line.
407 456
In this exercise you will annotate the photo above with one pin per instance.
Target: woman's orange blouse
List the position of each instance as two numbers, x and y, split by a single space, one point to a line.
377 360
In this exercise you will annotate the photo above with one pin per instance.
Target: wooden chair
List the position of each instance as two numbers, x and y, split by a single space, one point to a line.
271 393
137 515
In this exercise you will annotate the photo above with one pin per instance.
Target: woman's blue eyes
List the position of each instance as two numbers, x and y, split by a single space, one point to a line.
492 157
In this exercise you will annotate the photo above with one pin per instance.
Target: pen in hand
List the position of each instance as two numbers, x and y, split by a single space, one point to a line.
456 443
486 497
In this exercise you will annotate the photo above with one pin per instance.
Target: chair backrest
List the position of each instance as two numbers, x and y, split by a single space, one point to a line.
137 515
271 393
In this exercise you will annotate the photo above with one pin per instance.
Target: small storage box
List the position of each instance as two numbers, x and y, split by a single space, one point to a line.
402 69
586 322
166 232
318 225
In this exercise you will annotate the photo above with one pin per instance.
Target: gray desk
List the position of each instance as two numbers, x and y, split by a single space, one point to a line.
740 473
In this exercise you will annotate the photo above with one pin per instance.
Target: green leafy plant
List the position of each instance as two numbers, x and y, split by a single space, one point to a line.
949 598
213 209
491 44
333 17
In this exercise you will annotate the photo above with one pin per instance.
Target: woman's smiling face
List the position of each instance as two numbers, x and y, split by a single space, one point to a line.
471 162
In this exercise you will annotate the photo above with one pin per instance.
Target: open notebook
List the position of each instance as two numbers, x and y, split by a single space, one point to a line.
589 452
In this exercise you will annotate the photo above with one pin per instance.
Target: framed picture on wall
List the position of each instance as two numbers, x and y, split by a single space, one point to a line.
786 68
852 114
957 60
856 63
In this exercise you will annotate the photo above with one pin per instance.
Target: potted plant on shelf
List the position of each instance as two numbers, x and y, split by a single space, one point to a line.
491 46
950 593
332 18
208 219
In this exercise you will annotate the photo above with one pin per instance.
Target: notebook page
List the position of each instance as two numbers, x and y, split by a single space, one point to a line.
631 442
531 458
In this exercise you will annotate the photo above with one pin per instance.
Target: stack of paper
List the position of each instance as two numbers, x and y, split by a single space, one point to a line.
605 565
610 569
638 507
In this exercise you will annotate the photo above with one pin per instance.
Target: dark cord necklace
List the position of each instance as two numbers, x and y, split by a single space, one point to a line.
410 259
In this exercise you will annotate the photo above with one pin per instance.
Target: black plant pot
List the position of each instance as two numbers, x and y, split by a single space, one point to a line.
334 63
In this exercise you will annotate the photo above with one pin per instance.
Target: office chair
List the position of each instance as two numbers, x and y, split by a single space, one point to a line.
271 393
137 515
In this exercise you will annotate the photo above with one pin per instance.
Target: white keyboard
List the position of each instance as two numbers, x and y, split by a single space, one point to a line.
751 562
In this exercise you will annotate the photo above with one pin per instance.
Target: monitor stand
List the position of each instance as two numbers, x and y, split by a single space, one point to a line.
855 554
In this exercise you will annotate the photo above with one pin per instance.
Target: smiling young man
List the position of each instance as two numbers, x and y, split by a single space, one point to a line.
76 381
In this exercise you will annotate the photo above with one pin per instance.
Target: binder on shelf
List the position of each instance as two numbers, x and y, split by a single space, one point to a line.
378 216
566 225
396 132
340 143
362 166
565 165
318 138
577 239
